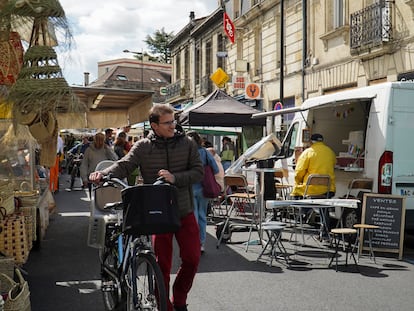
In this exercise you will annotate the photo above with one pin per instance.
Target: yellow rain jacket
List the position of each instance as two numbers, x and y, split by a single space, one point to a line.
317 159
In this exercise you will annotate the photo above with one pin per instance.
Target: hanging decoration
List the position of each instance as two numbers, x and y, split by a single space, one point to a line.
40 91
343 114
11 58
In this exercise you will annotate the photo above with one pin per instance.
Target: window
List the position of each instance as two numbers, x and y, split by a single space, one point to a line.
209 64
245 6
338 18
336 14
186 64
121 77
221 48
178 66
197 65
336 21
258 51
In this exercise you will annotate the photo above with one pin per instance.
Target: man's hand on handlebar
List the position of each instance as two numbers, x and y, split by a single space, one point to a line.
167 176
95 177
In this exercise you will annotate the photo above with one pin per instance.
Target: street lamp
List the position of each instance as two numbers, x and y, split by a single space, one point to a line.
142 64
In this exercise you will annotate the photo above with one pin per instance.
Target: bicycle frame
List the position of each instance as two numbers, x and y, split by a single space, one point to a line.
129 251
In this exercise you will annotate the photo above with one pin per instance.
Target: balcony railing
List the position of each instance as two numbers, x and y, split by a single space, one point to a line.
371 26
177 89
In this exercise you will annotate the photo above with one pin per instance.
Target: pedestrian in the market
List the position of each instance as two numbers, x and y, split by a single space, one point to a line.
97 151
200 201
108 137
167 152
227 152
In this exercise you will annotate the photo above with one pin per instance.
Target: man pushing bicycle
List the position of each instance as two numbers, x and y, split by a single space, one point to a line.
167 152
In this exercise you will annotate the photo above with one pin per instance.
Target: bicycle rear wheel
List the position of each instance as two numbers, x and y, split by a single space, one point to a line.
146 290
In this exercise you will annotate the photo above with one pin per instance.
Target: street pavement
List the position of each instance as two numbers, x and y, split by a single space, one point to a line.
64 273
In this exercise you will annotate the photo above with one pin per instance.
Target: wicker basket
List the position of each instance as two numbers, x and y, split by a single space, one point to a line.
6 283
6 266
7 197
18 297
7 201
13 238
29 213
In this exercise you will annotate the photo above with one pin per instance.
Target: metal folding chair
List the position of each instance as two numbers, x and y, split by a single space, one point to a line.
242 204
355 186
324 181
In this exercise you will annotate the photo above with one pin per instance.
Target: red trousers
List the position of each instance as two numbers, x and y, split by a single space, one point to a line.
188 239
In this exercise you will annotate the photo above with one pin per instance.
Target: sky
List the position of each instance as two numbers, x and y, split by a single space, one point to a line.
102 29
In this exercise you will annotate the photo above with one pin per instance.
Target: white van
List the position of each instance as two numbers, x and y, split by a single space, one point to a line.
371 130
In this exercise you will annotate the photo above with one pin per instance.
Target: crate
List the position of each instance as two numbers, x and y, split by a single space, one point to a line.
99 217
97 228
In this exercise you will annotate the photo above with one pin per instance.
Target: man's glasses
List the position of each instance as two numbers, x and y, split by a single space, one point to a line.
169 123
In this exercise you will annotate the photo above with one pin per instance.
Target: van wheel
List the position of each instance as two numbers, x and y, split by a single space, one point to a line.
350 218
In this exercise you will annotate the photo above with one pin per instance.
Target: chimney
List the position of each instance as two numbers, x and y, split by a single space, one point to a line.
192 16
86 78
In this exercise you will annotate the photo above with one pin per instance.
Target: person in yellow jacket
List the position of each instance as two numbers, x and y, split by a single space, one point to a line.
317 159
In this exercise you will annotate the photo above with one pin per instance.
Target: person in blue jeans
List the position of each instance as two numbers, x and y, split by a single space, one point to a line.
201 202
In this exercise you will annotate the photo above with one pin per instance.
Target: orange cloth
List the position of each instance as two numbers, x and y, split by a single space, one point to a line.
54 176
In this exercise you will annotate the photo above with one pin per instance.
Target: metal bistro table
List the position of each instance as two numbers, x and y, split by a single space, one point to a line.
261 203
320 204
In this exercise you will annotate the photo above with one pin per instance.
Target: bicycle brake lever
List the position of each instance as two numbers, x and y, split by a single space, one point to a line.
160 181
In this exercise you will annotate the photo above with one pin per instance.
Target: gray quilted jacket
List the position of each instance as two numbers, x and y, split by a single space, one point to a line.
178 154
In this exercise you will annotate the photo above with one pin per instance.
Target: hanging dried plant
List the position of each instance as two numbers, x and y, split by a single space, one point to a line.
40 86
17 132
37 21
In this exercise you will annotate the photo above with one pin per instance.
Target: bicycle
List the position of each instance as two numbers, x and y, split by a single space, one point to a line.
76 160
131 277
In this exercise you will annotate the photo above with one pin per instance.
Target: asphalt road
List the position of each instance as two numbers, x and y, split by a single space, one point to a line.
64 274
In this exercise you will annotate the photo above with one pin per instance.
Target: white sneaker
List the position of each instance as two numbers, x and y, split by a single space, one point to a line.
202 249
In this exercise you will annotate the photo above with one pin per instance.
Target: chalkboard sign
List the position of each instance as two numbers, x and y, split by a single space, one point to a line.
388 213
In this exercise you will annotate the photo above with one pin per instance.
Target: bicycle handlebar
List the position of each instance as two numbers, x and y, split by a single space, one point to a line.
114 180
108 180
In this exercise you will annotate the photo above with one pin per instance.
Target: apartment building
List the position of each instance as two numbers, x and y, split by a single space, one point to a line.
294 49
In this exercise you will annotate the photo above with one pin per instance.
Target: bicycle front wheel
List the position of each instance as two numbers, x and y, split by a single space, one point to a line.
146 290
111 287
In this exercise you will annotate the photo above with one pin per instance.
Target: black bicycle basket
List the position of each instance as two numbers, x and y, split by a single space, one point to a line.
150 209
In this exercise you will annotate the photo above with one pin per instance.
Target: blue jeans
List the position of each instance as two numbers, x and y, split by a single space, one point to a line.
200 212
226 165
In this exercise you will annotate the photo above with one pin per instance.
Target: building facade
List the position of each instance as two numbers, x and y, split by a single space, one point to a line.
295 49
126 73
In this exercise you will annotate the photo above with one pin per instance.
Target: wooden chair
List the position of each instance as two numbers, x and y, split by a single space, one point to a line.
284 189
317 180
359 184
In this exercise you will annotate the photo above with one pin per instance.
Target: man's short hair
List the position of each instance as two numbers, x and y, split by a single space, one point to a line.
159 110
316 137
108 131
